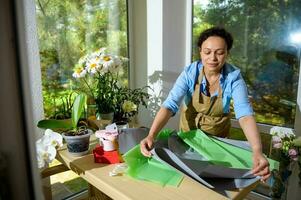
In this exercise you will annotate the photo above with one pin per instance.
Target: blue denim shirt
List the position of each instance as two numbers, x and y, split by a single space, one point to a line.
232 84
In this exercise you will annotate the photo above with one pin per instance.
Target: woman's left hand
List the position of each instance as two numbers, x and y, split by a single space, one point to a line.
261 166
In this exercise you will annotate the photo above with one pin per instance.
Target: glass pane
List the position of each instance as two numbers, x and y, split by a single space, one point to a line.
68 30
238 134
65 184
267 42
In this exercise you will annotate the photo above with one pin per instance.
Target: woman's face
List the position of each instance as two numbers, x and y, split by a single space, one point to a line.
213 53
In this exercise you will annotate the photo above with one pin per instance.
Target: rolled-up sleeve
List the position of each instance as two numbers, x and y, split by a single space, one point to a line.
177 93
242 106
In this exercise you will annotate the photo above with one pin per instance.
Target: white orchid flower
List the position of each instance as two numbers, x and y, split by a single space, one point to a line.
45 154
52 138
39 147
79 72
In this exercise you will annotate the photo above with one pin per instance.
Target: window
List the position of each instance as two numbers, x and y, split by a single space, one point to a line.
67 31
267 43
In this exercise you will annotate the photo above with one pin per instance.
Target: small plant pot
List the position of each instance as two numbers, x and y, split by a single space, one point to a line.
78 145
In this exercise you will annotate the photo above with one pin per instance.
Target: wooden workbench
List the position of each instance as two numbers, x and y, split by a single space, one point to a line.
124 187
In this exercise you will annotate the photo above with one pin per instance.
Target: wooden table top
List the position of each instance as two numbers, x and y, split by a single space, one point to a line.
124 187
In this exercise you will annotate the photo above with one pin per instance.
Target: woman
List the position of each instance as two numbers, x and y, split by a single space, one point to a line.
207 87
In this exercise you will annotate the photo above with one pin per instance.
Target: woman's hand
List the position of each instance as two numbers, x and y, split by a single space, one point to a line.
146 145
261 166
159 122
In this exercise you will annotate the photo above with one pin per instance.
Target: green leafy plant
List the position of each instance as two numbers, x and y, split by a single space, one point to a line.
58 105
71 126
128 101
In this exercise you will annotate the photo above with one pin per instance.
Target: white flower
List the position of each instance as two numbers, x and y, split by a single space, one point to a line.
45 154
53 138
93 65
79 72
107 62
282 132
46 147
117 64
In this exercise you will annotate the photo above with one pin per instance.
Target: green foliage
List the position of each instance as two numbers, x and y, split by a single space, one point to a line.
58 104
55 124
78 108
256 42
68 30
64 125
138 96
106 93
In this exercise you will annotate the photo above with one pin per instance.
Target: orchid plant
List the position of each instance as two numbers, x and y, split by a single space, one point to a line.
46 147
98 71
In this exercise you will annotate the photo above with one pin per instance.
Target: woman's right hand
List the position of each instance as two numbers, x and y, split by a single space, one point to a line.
146 145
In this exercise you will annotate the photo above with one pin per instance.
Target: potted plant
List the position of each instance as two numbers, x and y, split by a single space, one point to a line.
128 101
287 150
76 135
97 74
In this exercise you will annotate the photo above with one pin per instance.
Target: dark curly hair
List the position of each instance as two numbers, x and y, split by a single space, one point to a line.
216 31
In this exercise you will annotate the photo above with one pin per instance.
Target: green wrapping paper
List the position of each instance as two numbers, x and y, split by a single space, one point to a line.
149 169
214 150
220 153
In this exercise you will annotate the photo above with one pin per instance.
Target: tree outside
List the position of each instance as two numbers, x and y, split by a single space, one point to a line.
68 30
263 50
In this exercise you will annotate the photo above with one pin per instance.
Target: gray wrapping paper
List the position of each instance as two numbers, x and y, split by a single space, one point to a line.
175 153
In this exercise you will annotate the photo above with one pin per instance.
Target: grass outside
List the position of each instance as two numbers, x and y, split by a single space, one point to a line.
69 179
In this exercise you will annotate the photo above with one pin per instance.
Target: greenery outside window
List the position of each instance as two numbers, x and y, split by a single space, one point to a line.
67 31
267 45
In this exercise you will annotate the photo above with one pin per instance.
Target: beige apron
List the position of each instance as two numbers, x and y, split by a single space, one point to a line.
205 113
